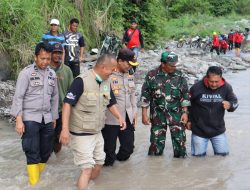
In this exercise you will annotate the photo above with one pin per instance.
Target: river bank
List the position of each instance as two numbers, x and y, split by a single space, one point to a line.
193 62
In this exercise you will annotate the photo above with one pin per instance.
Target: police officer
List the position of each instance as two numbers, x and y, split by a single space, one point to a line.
35 106
165 91
123 87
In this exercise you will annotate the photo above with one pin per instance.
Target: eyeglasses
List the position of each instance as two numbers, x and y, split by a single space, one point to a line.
53 25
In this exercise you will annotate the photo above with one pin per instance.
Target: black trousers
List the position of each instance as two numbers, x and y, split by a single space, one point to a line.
75 67
231 45
223 50
37 141
58 129
126 137
216 49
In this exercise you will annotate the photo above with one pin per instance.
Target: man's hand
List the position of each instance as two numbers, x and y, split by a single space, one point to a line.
135 120
184 118
188 125
20 127
122 124
142 50
64 136
54 124
145 120
226 105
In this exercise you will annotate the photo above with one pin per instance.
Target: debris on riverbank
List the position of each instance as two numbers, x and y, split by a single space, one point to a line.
193 62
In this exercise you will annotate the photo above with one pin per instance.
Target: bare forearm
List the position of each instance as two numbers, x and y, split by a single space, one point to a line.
81 53
144 111
19 119
65 116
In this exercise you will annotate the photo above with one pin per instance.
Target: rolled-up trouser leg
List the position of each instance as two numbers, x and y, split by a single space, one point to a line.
31 142
46 141
178 137
126 138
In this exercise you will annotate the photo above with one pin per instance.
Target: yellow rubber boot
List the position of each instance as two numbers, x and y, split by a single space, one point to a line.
33 173
41 167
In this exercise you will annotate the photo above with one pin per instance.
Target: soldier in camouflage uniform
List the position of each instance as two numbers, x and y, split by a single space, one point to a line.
165 91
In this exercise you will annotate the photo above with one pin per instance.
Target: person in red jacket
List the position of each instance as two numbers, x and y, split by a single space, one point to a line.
223 46
133 39
238 38
216 44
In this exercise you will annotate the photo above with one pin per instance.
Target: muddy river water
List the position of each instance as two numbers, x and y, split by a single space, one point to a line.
142 172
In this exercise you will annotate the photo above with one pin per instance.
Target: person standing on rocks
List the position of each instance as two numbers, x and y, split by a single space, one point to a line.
35 106
133 39
210 97
231 39
123 87
223 46
64 78
216 44
165 92
53 36
74 47
238 38
83 117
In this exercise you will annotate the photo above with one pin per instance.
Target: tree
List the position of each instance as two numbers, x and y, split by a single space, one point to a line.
222 7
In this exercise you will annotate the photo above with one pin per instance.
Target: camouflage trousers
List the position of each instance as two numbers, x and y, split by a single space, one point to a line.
158 135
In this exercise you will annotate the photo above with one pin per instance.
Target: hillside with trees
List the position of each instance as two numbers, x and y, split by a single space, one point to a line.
24 21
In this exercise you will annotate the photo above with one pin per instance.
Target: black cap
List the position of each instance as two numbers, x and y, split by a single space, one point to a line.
133 21
128 55
57 47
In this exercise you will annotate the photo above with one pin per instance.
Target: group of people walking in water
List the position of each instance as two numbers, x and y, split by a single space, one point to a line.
55 104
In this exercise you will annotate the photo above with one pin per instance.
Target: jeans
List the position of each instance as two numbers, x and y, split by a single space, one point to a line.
136 51
219 143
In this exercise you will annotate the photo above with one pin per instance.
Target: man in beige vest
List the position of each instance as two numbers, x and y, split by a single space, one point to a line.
83 117
123 87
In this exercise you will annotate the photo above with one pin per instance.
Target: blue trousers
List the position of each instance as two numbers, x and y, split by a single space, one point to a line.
37 141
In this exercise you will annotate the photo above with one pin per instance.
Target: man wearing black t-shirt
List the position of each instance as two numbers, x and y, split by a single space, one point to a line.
74 47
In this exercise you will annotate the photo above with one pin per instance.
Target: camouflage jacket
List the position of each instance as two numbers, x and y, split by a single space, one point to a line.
165 92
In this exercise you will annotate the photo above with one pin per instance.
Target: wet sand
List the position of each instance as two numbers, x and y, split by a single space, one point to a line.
142 172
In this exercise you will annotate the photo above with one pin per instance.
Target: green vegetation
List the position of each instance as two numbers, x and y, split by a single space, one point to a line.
203 25
24 21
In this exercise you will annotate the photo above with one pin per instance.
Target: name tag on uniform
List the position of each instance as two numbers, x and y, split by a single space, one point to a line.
36 83
114 80
116 91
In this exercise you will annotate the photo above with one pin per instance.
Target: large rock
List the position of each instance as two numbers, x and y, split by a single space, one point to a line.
7 91
237 67
246 59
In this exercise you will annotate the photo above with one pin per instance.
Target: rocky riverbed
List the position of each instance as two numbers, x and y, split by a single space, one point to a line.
193 62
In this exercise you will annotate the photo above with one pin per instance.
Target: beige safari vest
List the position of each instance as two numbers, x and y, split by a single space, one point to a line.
123 87
88 115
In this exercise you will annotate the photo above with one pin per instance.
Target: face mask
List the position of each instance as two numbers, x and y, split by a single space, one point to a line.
98 78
